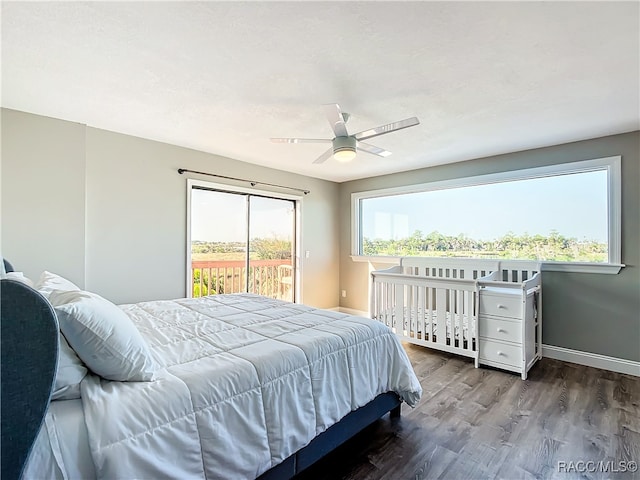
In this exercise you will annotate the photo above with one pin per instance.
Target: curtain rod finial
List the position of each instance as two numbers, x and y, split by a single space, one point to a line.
181 171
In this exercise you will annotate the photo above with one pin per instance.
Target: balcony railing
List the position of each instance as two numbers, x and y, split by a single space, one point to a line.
271 278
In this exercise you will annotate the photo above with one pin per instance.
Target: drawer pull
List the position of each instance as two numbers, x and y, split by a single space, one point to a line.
501 330
501 306
500 354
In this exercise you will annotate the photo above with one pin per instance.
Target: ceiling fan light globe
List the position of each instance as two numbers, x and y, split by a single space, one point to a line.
344 148
344 155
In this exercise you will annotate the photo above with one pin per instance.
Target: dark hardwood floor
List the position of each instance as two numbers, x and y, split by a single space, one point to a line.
486 423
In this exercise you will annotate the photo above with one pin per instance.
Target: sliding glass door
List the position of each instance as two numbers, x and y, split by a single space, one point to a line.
242 242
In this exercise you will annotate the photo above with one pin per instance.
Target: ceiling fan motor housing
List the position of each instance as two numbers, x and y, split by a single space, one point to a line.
344 148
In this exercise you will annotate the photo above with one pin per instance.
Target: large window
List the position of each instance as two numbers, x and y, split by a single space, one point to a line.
241 241
566 214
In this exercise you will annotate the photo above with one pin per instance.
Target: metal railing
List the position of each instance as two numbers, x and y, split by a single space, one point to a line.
271 278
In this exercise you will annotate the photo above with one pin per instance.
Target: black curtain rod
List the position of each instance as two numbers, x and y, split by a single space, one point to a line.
253 183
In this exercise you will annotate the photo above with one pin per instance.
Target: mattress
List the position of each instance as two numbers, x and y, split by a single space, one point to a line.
246 382
427 320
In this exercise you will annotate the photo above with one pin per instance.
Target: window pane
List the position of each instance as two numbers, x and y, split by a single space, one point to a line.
271 233
558 218
218 242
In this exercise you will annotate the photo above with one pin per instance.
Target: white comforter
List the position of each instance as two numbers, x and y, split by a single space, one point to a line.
248 381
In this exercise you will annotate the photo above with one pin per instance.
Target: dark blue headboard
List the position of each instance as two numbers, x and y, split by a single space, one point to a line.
29 356
7 266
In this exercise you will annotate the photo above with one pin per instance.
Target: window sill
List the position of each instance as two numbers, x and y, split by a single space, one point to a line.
602 268
376 259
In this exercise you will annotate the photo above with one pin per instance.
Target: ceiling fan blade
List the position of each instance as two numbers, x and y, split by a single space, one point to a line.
300 140
388 128
367 147
336 120
324 157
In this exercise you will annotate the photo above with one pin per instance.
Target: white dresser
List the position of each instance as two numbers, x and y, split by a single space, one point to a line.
509 328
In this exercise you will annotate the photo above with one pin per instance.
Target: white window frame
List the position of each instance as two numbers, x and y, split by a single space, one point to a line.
612 165
223 187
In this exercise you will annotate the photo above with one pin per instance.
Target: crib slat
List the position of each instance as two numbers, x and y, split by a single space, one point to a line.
471 320
429 314
409 308
384 300
377 310
416 310
451 308
460 317
441 315
399 308
420 313
389 307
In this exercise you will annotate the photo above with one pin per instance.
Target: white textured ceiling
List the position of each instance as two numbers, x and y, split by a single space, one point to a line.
223 77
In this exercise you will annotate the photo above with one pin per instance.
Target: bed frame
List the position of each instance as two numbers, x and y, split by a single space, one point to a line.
28 374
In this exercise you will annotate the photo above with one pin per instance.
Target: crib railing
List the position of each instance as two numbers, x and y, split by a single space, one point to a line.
427 310
515 271
455 268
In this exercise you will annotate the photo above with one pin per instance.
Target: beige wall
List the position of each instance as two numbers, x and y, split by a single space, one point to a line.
588 312
109 210
43 196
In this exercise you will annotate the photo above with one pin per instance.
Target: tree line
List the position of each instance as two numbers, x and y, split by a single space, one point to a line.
554 247
262 248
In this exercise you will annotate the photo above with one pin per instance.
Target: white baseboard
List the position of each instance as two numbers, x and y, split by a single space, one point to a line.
353 311
614 364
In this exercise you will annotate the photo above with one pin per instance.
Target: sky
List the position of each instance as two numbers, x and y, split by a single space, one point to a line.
574 205
221 217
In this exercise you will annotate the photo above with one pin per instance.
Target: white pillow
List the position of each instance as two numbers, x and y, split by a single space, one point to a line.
19 277
50 281
103 336
70 372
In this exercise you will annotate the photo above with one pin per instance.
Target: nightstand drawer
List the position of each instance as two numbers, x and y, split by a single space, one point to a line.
501 352
495 328
501 305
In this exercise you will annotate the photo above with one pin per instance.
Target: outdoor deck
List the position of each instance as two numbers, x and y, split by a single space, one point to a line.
271 278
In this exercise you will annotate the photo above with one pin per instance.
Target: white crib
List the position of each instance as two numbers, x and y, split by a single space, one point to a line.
489 310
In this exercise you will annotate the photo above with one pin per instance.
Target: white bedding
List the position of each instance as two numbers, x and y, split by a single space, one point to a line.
61 450
247 382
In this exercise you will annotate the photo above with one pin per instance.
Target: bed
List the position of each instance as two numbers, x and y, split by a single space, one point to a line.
488 310
227 386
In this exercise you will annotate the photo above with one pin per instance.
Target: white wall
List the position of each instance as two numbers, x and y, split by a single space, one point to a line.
130 206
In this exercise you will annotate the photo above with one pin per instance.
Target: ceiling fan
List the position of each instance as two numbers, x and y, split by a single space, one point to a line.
344 146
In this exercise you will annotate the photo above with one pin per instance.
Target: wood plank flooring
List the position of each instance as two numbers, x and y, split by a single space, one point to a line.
489 424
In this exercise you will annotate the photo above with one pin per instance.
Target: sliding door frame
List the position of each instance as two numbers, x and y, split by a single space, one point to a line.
227 188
